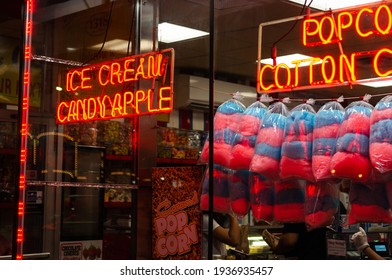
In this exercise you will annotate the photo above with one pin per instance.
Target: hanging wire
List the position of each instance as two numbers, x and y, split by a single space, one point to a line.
106 34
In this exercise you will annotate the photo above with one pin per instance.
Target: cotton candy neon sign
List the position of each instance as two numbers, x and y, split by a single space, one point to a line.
332 29
112 89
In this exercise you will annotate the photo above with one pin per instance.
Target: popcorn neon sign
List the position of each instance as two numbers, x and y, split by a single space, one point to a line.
320 31
117 83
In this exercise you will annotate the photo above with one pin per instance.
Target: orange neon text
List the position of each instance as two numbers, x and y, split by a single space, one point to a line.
115 73
320 71
120 105
330 29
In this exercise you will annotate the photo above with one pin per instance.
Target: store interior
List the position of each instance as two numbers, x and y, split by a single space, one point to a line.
70 33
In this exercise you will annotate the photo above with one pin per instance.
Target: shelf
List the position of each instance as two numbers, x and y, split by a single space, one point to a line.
116 157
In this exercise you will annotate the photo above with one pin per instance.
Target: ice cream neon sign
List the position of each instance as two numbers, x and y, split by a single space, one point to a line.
326 29
117 83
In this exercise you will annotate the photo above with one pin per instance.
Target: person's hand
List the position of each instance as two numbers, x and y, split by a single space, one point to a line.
360 240
270 239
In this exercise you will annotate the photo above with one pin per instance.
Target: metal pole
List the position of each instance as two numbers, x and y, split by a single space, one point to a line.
211 130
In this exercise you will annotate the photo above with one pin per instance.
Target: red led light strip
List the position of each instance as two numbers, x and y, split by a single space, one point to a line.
28 30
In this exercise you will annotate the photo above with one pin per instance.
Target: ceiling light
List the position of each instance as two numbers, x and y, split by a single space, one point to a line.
170 33
115 45
377 83
325 5
288 60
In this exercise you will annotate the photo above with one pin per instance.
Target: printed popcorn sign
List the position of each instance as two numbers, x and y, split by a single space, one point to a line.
176 213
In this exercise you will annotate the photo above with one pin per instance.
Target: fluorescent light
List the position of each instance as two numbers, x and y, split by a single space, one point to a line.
115 45
170 33
325 5
377 83
288 59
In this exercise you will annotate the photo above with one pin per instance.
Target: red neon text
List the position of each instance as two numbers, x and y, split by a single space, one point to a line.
128 70
110 90
330 29
329 70
120 106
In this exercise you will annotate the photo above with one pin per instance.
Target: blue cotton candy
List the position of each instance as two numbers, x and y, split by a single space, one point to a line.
353 143
290 195
267 150
250 141
264 197
226 135
297 150
320 203
381 131
300 123
230 107
257 109
383 105
323 146
274 120
357 110
328 117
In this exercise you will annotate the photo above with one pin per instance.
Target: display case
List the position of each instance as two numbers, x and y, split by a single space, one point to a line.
179 145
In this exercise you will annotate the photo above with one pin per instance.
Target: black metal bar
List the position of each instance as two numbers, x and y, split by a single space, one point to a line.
211 129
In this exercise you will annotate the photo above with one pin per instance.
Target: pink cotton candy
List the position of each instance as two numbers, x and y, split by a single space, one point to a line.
289 213
302 138
263 212
381 156
249 125
351 166
241 157
240 206
369 214
296 168
328 131
266 166
222 121
222 154
204 156
320 219
378 115
271 136
356 123
221 204
321 167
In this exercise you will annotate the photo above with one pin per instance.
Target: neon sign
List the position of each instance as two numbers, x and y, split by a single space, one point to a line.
112 89
322 30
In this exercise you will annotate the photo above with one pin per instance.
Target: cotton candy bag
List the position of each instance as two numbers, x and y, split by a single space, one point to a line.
221 198
321 204
289 203
226 126
267 155
296 160
380 149
326 128
261 198
249 126
351 158
369 204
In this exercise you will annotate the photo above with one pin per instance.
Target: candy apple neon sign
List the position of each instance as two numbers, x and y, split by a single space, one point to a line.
112 89
332 29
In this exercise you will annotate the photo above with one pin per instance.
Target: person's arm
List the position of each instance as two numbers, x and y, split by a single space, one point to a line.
230 236
360 241
371 254
286 243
